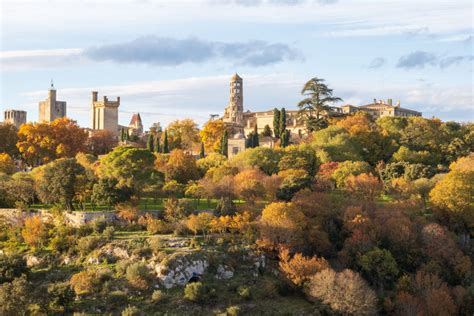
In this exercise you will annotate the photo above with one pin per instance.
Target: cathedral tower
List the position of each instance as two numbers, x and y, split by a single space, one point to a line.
234 112
51 109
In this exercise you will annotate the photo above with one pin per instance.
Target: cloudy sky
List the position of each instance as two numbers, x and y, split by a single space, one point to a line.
173 59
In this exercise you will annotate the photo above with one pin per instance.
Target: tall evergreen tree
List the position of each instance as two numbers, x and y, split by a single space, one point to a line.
166 148
267 131
202 153
224 144
122 134
282 122
276 122
256 141
285 138
149 142
156 143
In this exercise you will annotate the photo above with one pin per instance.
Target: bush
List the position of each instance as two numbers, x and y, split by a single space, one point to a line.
60 296
233 310
158 226
109 232
87 244
158 296
156 244
14 297
138 275
98 224
117 298
84 282
244 292
131 311
197 292
11 267
121 266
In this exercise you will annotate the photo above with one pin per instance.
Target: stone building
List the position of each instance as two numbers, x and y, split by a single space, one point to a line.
136 126
104 113
244 122
51 109
381 108
15 117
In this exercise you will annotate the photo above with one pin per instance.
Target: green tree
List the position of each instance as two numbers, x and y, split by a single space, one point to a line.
131 167
282 122
256 141
15 297
276 122
347 168
285 138
156 143
166 148
149 143
224 144
267 131
9 137
59 182
379 267
316 103
105 192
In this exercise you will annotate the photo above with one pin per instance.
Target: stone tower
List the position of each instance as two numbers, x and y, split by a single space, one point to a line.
15 117
234 112
51 109
104 113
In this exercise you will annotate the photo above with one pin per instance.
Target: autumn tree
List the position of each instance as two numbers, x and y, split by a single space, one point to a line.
43 142
101 142
35 231
335 144
182 134
248 185
181 166
348 168
379 267
59 182
7 165
281 224
364 186
298 268
344 292
211 135
9 137
200 223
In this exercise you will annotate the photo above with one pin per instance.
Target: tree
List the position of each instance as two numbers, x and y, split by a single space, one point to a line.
285 138
21 188
105 192
255 141
364 186
267 131
281 224
202 153
200 223
335 144
149 143
101 142
44 142
34 232
299 269
248 185
344 292
211 135
299 157
15 297
156 143
379 267
265 158
454 192
410 156
59 182
282 122
347 168
224 144
316 103
182 134
276 123
138 275
11 267
7 165
181 167
131 167
166 148
9 137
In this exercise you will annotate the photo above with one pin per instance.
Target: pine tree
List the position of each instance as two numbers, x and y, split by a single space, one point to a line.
166 149
282 122
276 123
202 153
157 147
224 144
149 142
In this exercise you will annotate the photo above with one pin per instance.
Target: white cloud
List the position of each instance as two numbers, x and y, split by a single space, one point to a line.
45 58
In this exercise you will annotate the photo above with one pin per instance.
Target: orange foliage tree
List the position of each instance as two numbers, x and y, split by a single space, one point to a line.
35 231
211 135
299 269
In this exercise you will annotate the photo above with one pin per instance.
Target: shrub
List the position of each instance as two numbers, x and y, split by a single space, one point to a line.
345 292
60 296
138 275
158 226
109 232
87 244
131 311
156 243
14 297
233 310
98 224
12 267
35 232
117 298
121 266
197 292
244 292
158 296
84 282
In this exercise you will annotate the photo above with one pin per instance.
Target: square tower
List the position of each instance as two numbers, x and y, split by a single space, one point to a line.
15 117
104 113
51 109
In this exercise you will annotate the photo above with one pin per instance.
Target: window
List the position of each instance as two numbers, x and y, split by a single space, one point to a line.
235 150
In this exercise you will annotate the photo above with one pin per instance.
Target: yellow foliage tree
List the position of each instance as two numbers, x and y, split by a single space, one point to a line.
7 165
35 231
211 135
299 269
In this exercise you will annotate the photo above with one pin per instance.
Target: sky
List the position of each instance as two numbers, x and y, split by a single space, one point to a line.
173 59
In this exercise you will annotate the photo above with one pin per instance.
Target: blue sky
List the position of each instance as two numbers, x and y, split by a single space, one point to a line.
173 59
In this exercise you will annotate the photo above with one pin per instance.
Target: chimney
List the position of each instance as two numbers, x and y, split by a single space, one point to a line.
94 96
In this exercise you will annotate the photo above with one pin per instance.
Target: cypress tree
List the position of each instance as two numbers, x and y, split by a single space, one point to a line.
285 138
224 144
249 141
276 123
127 137
282 122
256 142
122 134
166 149
156 143
149 142
202 154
